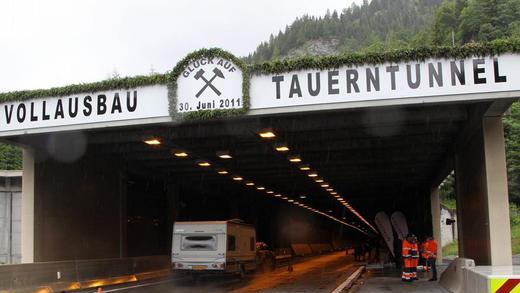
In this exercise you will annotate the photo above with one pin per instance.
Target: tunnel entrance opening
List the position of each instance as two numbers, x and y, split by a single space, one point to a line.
344 164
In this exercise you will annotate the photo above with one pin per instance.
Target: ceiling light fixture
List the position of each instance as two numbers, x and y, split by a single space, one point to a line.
312 174
180 154
295 159
304 167
224 155
203 163
222 172
152 141
237 178
267 134
281 147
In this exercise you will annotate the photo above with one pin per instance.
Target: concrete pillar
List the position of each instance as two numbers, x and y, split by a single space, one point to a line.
27 236
482 197
497 193
436 221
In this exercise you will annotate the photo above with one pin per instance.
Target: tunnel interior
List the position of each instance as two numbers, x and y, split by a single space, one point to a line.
111 185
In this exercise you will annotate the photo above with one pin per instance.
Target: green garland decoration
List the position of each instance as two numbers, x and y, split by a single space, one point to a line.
493 48
214 113
109 84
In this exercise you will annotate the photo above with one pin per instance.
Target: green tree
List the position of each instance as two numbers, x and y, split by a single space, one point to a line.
512 140
10 157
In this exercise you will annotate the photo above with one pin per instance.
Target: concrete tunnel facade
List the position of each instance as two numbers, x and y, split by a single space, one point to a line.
97 186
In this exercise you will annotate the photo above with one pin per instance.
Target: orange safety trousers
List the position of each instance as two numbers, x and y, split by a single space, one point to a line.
411 260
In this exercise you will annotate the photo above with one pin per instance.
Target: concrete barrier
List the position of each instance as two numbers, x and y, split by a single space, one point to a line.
301 249
78 274
484 279
319 248
452 279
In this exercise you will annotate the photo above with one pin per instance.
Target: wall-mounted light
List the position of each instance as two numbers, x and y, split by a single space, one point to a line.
260 188
250 183
269 192
222 172
237 178
303 196
329 189
319 180
325 185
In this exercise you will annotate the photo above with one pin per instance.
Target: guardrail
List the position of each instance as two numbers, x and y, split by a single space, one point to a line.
79 274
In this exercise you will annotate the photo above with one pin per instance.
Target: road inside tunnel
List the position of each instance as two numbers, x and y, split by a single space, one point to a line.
313 274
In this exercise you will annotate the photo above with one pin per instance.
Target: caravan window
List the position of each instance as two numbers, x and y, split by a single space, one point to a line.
199 242
231 243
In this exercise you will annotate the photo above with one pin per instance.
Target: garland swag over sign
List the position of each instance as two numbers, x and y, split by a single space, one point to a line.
204 85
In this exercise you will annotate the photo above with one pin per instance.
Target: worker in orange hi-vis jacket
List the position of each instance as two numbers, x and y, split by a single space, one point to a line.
430 254
410 258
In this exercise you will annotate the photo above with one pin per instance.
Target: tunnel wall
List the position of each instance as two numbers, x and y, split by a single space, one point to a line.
77 210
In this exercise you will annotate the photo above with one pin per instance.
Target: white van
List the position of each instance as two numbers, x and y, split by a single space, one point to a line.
214 246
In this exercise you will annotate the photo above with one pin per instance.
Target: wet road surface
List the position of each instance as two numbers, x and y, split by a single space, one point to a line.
316 274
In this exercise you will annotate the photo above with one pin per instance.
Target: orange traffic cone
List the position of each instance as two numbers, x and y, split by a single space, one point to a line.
99 290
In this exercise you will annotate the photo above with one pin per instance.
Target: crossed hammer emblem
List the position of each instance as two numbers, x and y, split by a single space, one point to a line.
200 75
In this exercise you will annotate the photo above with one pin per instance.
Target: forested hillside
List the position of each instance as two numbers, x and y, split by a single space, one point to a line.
392 22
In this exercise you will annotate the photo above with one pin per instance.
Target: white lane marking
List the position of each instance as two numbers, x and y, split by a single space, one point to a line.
349 280
135 286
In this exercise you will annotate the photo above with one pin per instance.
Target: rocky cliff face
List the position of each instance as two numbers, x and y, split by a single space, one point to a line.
318 47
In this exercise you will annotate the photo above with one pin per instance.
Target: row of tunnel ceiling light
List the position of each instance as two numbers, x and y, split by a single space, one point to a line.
269 134
182 154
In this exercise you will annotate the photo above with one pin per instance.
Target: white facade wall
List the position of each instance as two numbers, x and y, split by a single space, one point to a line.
448 232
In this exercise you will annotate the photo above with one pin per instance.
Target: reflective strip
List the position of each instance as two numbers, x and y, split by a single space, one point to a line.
505 285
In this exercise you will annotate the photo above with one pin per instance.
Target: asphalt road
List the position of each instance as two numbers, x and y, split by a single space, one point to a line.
316 274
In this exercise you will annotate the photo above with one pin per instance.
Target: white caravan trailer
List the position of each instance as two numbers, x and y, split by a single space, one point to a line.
214 246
